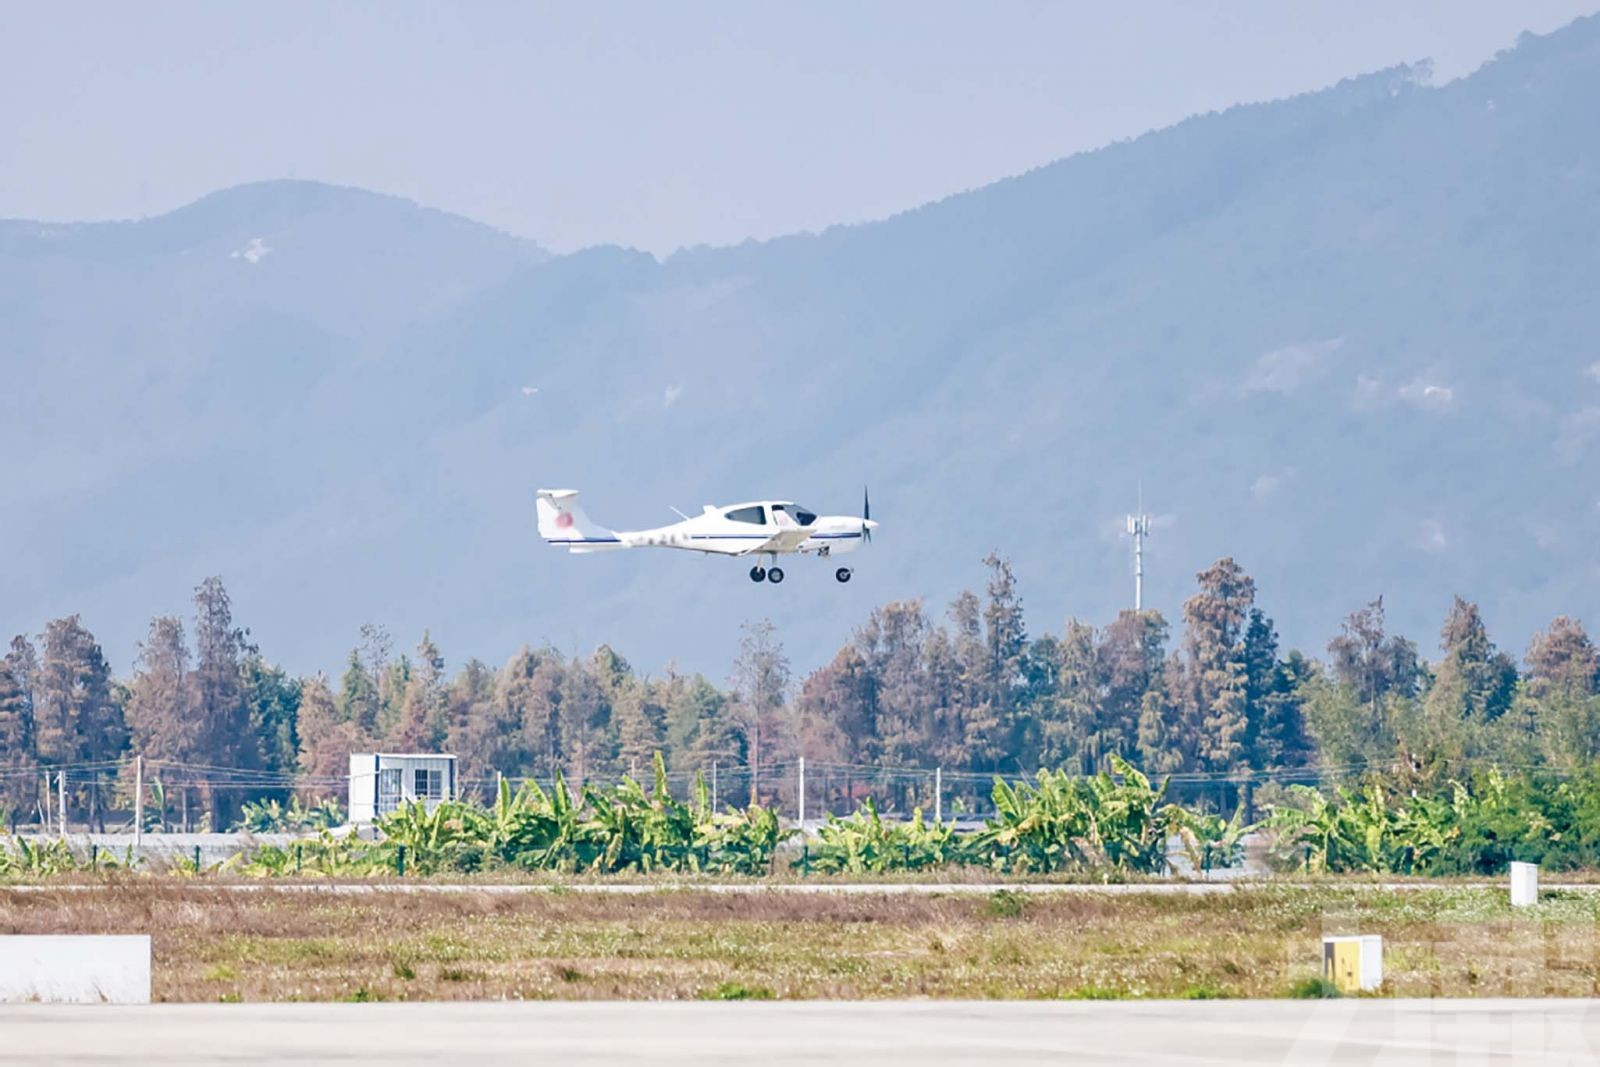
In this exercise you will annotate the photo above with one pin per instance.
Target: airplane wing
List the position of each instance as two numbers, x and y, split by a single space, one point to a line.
786 540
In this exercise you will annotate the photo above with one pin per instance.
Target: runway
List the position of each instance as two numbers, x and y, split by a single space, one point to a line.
1524 1032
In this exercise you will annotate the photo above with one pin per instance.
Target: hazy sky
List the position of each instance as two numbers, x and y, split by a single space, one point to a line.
655 124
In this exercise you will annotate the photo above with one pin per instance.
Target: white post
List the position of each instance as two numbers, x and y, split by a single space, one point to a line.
1524 885
938 794
802 796
713 785
61 800
138 802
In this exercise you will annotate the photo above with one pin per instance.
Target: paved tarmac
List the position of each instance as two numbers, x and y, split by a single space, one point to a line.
1527 1033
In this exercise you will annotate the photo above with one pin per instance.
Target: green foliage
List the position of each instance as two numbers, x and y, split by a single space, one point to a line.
22 858
623 828
1472 827
864 843
1066 823
1004 904
738 991
1318 988
272 817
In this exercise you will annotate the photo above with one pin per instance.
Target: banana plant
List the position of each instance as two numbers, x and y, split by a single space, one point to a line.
863 843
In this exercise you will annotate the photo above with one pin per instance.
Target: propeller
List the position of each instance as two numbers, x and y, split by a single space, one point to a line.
866 516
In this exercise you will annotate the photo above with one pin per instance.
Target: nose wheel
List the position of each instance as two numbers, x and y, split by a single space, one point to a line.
843 574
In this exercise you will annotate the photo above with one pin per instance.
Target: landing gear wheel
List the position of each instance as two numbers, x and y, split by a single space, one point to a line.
843 574
775 575
758 573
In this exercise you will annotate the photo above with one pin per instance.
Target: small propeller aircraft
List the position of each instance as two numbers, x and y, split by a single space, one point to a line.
762 528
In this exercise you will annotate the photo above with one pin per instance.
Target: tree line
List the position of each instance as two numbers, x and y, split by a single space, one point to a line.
970 691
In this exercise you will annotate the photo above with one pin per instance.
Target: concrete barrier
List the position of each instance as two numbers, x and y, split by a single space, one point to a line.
75 969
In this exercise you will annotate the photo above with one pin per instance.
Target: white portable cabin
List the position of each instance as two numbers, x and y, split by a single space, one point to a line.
381 782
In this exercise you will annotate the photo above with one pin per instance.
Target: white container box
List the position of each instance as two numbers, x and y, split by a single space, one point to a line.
75 969
1524 885
1353 962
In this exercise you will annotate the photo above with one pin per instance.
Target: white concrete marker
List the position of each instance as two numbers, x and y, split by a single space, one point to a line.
75 969
1524 885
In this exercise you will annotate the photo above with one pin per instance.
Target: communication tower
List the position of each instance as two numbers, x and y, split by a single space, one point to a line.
1138 529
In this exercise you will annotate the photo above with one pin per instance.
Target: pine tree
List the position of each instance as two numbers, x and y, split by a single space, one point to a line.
1131 658
1064 701
1563 660
421 723
702 730
1482 677
980 727
162 714
76 714
18 788
483 738
273 700
1375 668
535 688
1006 640
1281 738
760 687
640 724
582 716
327 738
1160 746
358 698
835 709
1561 700
894 721
1215 701
224 738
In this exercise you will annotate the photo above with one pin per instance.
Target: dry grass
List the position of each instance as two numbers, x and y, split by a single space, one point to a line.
273 945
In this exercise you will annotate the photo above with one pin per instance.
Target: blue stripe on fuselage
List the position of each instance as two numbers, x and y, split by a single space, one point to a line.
692 537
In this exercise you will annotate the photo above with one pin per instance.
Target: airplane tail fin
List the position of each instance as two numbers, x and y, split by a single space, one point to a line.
563 522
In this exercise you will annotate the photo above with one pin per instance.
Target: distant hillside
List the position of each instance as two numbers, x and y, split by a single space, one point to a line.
1350 338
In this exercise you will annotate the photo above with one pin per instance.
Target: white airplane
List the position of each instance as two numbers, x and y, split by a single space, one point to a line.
769 528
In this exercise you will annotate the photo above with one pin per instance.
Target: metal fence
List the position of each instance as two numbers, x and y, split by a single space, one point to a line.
139 795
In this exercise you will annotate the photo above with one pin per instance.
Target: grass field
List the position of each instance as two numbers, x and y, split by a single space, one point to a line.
684 944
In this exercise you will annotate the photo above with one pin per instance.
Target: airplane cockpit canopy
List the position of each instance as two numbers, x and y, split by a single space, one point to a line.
801 515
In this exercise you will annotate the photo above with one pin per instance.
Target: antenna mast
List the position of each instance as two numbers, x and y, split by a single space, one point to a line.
1138 529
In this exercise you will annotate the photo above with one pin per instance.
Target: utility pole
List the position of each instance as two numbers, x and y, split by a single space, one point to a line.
138 802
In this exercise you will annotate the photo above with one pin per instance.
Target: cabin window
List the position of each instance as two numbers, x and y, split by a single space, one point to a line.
429 784
752 515
388 790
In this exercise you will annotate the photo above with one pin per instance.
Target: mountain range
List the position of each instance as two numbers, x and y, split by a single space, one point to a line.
1350 338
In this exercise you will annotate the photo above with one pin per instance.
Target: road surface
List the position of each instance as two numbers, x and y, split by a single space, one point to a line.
1528 1033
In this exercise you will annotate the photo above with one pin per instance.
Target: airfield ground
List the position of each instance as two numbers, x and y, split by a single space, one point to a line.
1395 1033
272 944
